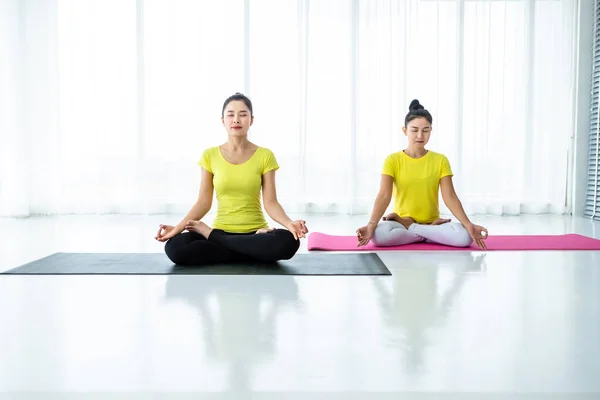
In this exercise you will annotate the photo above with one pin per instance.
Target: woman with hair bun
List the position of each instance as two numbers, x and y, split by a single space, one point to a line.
414 177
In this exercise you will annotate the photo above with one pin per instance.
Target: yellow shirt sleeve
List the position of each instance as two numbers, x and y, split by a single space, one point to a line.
269 162
388 167
446 170
205 161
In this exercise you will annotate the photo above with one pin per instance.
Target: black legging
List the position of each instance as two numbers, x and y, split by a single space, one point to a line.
191 248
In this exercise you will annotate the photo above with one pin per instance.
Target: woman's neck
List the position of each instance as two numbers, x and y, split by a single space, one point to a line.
415 153
238 143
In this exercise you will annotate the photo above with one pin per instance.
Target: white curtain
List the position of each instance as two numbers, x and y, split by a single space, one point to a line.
107 104
12 180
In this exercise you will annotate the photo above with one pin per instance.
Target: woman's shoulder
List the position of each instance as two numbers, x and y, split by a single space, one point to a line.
264 151
209 151
394 155
437 155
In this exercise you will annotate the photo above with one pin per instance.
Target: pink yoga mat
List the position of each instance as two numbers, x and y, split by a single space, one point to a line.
321 241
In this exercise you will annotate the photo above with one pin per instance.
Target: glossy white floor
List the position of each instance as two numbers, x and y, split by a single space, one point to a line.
444 323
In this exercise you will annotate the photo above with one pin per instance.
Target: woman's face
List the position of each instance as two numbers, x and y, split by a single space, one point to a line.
418 132
237 119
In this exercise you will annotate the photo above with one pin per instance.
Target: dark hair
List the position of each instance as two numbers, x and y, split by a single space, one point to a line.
238 97
416 110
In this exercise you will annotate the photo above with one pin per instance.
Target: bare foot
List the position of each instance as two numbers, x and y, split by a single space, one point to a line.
199 227
441 221
391 217
264 230
406 221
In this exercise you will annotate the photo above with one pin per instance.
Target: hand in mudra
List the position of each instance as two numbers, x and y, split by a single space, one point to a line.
298 229
478 234
364 234
166 232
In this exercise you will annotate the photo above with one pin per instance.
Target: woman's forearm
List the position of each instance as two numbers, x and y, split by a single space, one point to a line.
381 204
276 212
455 206
196 213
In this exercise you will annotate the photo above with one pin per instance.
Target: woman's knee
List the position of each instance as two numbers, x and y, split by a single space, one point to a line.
378 239
175 248
172 251
286 245
382 232
462 237
290 244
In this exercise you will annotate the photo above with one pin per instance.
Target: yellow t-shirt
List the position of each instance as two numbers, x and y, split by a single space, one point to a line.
417 183
238 189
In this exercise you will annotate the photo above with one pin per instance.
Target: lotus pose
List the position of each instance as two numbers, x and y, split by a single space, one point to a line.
236 171
414 176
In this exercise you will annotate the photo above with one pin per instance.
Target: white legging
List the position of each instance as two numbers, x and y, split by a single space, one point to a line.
392 233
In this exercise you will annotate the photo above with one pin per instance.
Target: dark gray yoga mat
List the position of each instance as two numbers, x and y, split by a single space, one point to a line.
159 264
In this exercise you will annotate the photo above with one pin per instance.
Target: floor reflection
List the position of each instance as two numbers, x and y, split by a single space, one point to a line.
417 299
238 315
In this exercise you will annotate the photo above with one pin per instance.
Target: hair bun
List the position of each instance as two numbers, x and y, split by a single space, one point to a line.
415 105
